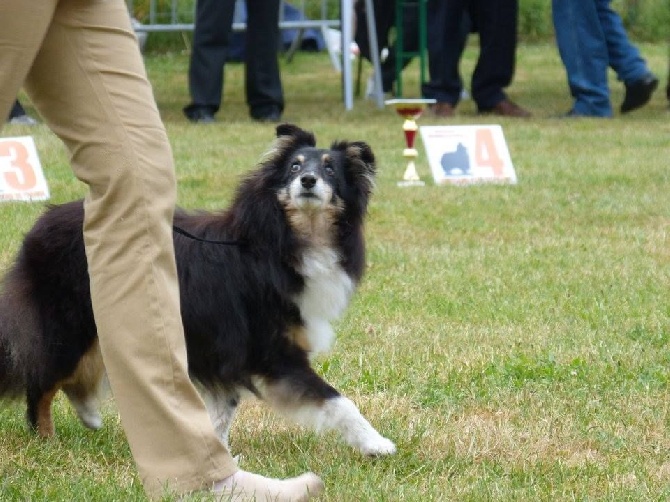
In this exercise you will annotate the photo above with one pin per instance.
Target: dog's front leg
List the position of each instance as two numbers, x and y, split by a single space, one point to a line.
341 414
306 398
221 406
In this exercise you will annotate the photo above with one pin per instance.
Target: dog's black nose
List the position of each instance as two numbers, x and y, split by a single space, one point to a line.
308 180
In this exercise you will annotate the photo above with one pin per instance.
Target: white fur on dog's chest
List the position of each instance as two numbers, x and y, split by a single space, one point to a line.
325 296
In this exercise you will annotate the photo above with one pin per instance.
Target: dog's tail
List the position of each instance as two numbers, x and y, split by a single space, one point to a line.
17 328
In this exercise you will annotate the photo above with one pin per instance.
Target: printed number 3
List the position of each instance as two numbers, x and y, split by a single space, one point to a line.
21 175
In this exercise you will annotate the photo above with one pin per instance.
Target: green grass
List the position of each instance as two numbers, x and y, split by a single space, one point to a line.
513 340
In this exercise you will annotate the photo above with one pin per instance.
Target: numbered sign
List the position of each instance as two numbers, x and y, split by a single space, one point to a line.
21 176
462 155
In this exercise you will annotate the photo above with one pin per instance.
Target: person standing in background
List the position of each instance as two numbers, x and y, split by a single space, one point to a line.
18 115
211 39
591 37
496 22
83 71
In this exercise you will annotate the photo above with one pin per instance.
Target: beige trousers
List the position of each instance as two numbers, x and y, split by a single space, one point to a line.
81 66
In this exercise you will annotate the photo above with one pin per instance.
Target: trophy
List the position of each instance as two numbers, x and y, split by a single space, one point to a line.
410 110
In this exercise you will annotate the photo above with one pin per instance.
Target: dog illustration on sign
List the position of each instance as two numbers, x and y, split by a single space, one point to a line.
456 162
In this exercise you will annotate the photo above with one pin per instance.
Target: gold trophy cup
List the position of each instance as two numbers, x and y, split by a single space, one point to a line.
410 110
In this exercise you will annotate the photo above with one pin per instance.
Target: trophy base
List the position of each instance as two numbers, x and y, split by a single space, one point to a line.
411 183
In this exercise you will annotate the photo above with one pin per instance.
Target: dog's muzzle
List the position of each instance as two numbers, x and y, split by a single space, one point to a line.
308 181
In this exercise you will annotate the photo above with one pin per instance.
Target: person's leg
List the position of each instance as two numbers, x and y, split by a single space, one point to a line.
89 70
21 34
265 95
496 21
411 44
17 110
583 50
213 26
445 44
624 57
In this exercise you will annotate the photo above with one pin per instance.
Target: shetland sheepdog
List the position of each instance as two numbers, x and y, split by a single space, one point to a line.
260 284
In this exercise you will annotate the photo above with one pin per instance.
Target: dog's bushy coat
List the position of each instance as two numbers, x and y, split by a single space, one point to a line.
254 311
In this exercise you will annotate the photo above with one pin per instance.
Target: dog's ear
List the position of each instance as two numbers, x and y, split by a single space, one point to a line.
362 151
359 158
299 137
360 166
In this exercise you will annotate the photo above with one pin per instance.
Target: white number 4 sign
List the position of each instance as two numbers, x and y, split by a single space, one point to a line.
468 154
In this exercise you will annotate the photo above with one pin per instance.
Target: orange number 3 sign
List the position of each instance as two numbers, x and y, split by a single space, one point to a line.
21 175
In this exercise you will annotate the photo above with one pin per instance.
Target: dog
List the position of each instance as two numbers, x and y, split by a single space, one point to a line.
265 279
456 162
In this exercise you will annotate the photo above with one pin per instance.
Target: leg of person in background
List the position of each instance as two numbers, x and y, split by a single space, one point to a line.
496 22
625 59
213 26
18 115
265 95
583 50
82 68
411 43
445 47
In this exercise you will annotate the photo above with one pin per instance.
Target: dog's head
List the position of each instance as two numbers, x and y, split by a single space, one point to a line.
311 179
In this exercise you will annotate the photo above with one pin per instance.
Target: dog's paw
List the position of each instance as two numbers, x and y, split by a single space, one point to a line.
377 446
88 413
91 419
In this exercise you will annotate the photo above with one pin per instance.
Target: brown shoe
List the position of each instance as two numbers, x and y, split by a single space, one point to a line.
507 108
442 109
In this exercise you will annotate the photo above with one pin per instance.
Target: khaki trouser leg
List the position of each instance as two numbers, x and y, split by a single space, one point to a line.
89 84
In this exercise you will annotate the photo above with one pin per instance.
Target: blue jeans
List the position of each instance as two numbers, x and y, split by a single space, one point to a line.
591 37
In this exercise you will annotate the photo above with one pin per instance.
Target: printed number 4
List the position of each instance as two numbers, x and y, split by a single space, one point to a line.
21 175
486 153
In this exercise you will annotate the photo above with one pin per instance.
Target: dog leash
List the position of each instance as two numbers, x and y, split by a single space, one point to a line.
183 232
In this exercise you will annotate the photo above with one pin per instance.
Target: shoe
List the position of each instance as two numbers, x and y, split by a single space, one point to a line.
246 486
23 120
442 110
273 114
639 93
507 108
200 115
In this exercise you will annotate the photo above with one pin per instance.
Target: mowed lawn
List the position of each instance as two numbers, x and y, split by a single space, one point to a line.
514 341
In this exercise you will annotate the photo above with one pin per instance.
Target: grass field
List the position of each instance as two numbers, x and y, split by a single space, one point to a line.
513 340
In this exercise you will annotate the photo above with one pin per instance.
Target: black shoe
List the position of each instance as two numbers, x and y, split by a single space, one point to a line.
272 114
639 93
199 115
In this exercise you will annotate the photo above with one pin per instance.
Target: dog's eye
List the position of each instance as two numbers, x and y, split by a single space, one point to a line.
295 167
328 169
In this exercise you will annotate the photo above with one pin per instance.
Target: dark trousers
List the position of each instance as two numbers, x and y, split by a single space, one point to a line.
213 26
16 111
496 22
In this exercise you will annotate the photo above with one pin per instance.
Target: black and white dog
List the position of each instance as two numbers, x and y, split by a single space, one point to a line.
254 312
